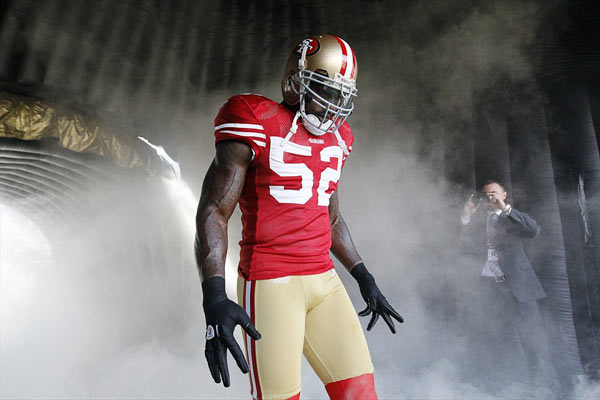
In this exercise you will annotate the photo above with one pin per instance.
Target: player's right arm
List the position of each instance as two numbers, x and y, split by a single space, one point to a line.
221 190
220 193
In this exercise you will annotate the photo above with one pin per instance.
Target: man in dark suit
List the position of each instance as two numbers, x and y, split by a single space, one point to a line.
511 286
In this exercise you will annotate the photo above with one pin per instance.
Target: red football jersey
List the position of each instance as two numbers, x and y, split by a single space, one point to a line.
285 199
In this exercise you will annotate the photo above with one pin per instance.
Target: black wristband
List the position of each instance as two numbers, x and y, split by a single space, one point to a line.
360 272
213 290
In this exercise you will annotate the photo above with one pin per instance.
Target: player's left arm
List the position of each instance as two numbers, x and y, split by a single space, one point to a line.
344 250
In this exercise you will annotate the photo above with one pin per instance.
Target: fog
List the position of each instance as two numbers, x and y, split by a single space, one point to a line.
113 310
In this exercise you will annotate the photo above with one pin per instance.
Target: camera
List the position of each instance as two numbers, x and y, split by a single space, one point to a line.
479 197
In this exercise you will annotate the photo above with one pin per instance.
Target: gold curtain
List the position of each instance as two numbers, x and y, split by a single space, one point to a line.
31 119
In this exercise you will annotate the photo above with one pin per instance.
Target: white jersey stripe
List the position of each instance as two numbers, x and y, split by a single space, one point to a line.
236 125
349 60
261 144
246 134
248 340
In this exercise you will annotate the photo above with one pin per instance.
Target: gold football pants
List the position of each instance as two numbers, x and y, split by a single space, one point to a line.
310 314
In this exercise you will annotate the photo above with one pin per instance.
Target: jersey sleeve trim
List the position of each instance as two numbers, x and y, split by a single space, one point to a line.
236 121
237 125
245 134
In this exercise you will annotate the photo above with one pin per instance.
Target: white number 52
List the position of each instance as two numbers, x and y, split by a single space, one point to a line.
302 195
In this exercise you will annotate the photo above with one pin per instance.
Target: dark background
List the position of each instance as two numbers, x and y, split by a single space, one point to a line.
450 94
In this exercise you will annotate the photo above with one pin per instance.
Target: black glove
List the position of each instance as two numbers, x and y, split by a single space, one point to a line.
222 315
376 302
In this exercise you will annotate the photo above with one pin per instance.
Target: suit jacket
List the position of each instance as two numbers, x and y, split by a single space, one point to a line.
510 231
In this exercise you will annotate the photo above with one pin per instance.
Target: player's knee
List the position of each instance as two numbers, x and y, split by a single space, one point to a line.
359 387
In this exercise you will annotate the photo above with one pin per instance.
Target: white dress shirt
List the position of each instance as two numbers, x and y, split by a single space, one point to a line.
491 268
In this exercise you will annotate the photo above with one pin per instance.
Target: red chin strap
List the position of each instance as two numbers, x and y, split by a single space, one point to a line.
360 387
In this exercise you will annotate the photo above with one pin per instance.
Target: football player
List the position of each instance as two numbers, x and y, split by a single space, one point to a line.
281 162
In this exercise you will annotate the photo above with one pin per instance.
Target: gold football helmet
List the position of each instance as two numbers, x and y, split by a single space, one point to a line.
321 70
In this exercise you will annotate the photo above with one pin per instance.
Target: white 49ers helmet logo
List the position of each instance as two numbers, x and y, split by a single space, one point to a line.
311 44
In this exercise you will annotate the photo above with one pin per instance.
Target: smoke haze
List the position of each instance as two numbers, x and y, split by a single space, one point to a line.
119 314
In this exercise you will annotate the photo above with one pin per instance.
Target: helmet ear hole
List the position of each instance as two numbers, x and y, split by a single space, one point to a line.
290 93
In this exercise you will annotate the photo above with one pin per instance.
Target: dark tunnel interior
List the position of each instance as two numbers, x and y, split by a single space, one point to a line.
471 90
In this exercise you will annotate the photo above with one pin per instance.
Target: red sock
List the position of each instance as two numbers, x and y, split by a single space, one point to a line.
360 387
